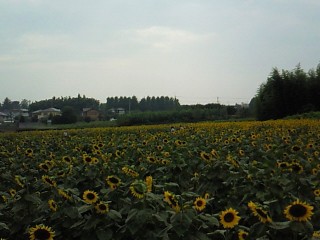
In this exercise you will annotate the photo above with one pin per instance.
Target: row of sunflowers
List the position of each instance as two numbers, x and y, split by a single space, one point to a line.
228 180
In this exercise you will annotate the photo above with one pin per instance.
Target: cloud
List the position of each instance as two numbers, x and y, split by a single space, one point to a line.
37 41
166 37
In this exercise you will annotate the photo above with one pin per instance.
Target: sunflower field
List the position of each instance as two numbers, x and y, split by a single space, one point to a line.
228 180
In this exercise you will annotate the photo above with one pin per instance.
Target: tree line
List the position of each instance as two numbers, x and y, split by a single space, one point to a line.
77 103
288 93
163 103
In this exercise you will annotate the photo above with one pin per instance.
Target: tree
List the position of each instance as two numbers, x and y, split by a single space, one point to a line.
288 93
6 105
24 104
68 116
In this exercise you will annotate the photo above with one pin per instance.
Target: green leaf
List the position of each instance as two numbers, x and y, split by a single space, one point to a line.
33 198
84 208
258 230
3 226
279 225
114 215
104 234
77 223
210 219
72 212
171 184
91 223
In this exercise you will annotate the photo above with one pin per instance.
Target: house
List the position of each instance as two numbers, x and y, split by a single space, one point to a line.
46 113
117 111
19 112
3 117
90 114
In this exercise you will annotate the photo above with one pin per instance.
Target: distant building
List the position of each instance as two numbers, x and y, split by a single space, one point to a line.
90 114
3 117
19 112
118 111
46 113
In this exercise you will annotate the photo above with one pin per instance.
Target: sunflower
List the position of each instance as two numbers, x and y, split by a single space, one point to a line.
296 167
90 196
283 165
206 196
44 167
298 211
316 234
259 212
316 192
159 147
165 161
41 232
295 148
310 145
67 159
241 152
48 180
87 159
50 163
52 205
118 153
229 218
149 181
165 140
64 194
95 160
19 181
200 204
242 234
214 153
151 159
130 172
102 207
314 171
205 156
29 152
171 200
138 188
113 181
95 147
12 192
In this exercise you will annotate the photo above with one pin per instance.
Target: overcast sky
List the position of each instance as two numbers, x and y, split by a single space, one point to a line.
200 51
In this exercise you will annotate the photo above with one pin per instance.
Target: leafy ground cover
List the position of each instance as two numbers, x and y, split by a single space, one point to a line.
241 180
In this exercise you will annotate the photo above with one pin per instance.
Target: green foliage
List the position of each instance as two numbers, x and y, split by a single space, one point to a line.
226 164
288 93
145 104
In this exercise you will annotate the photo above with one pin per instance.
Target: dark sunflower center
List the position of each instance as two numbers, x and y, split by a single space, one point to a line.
88 159
261 213
295 148
44 166
172 200
298 210
228 217
113 180
91 196
206 156
244 235
42 234
48 180
296 167
102 207
200 203
283 165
